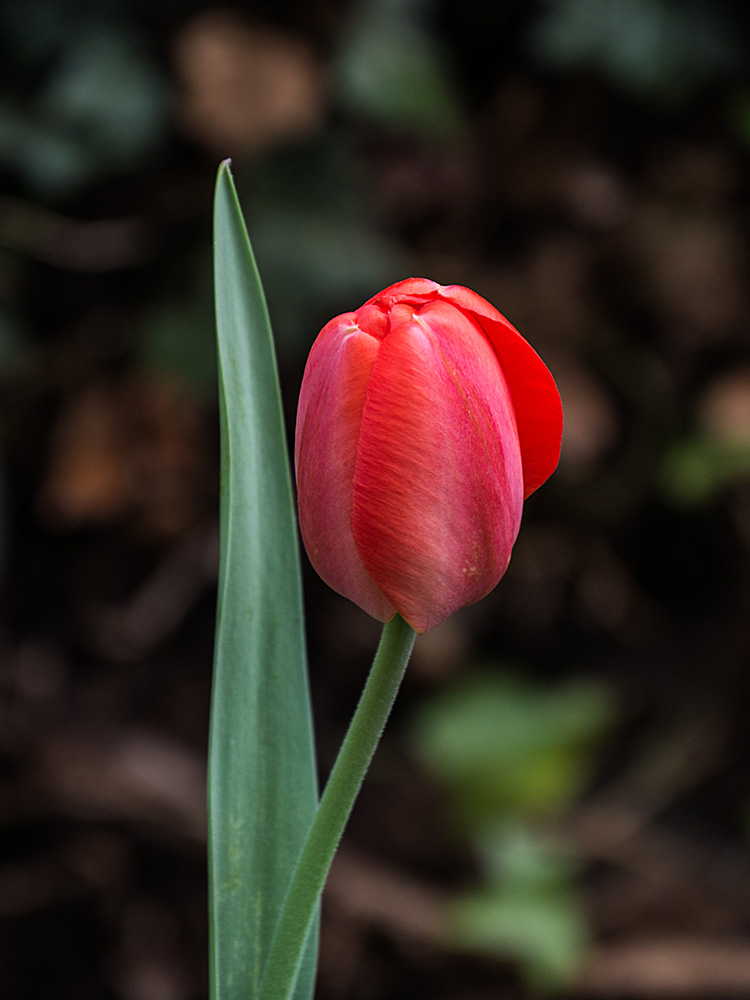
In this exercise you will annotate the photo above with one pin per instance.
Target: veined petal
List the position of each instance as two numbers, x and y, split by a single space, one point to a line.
438 479
536 400
328 424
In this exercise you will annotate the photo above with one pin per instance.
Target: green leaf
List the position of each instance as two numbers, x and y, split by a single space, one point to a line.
262 788
391 69
506 746
702 465
545 932
529 908
651 47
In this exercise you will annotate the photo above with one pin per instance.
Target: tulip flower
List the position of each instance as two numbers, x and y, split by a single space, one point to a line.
425 420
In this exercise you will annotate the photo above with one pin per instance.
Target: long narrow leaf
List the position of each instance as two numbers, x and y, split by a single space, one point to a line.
262 790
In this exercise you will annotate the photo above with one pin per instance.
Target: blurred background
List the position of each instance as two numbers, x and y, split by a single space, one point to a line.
562 802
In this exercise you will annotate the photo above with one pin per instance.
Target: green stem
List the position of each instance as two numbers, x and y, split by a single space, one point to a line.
323 837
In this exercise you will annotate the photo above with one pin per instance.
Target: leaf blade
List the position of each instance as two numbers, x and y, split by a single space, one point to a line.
262 787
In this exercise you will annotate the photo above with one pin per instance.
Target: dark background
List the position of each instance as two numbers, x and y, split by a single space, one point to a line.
562 799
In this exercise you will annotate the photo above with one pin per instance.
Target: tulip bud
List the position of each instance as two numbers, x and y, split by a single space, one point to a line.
425 419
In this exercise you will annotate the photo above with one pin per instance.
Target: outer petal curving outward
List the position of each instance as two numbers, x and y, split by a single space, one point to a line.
536 400
438 486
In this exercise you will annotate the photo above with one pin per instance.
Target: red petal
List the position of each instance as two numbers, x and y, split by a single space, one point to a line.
414 290
328 422
536 400
437 480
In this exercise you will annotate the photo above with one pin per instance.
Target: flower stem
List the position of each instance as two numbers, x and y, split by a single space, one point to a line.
323 837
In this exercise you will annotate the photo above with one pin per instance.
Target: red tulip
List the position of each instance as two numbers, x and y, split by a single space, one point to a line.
425 419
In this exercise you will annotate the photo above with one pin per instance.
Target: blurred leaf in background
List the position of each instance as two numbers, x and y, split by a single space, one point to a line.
91 102
507 748
716 453
529 908
392 70
654 48
512 756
